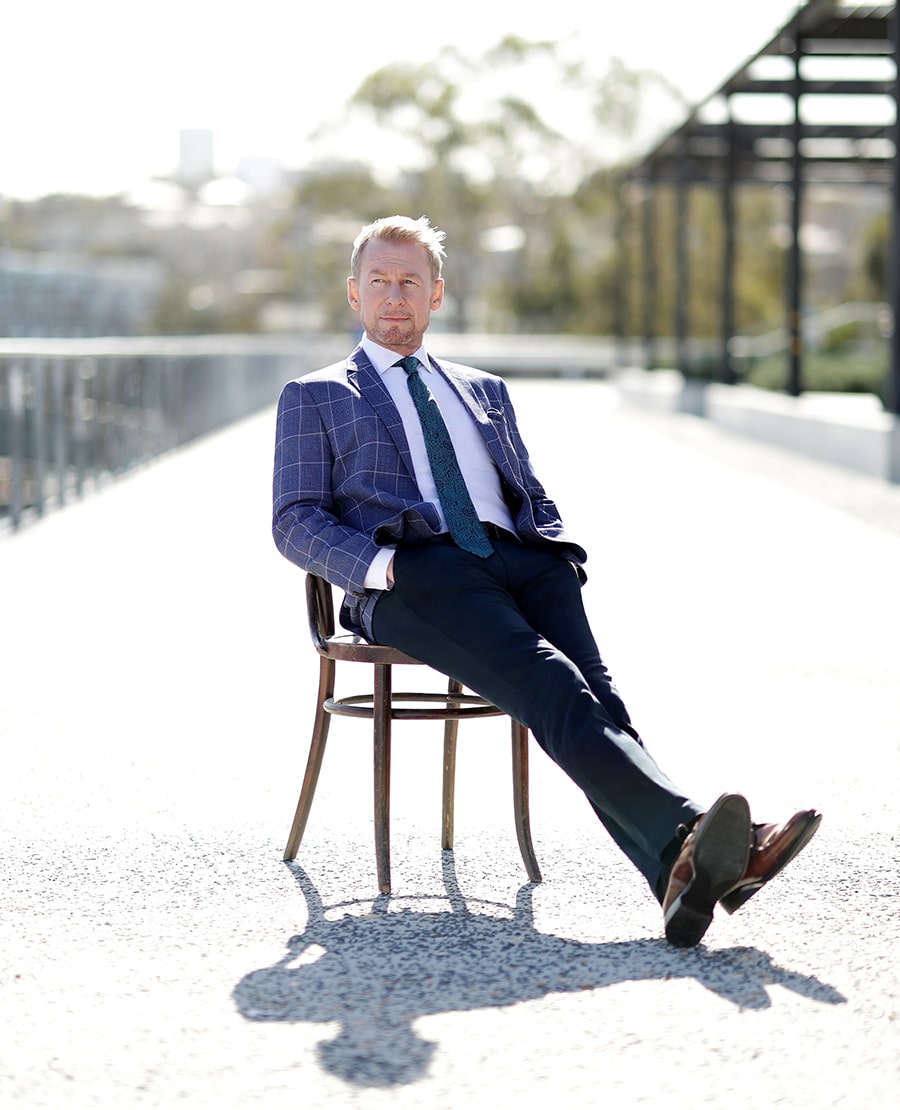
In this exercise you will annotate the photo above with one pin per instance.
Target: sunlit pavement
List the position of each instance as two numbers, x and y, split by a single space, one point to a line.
158 687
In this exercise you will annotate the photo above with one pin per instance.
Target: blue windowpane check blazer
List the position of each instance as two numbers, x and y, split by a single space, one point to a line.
344 483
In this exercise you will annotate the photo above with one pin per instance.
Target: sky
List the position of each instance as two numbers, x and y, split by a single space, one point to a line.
95 93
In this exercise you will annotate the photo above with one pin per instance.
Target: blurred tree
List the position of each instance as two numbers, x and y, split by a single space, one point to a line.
761 271
873 273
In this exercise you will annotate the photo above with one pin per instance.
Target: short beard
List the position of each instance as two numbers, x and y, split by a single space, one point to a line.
396 336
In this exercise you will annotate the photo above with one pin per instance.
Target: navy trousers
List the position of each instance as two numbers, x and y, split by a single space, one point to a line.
512 628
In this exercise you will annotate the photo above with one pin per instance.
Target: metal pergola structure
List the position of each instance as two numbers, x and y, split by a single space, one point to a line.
818 104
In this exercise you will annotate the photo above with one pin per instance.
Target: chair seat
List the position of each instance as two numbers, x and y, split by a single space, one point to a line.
355 649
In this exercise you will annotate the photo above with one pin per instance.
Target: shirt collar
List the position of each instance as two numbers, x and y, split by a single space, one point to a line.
383 359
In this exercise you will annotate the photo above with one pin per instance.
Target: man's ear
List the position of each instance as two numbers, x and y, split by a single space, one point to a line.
437 296
352 297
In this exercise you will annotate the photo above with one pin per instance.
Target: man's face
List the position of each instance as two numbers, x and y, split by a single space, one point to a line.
395 294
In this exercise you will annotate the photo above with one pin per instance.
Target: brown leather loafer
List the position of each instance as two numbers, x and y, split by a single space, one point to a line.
774 846
712 859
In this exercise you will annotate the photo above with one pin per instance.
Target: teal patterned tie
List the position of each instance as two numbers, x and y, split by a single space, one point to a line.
459 512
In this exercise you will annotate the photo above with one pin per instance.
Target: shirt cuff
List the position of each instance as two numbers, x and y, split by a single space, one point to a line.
376 575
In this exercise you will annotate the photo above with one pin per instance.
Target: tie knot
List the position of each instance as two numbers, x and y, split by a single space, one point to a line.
410 364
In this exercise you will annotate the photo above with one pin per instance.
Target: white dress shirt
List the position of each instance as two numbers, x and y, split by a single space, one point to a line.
475 462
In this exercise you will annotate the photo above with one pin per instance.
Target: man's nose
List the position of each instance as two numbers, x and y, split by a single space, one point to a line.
395 292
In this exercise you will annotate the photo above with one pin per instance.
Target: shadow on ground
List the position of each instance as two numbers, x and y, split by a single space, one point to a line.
373 973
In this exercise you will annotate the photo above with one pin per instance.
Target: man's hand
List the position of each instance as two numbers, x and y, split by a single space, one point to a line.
390 573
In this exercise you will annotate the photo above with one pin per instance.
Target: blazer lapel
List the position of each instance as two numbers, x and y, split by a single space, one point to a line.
362 374
488 419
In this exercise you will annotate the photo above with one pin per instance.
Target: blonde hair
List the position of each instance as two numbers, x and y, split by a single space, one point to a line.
401 229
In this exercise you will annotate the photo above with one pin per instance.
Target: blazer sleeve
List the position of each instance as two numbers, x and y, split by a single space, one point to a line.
305 526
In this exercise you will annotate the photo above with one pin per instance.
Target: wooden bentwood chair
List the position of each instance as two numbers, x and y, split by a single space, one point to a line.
382 707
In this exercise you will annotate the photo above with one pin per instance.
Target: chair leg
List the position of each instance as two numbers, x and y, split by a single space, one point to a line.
520 800
314 761
381 715
449 782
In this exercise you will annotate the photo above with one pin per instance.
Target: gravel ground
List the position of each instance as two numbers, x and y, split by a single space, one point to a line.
158 684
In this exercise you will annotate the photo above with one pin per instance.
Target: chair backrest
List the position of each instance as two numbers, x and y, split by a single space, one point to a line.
320 611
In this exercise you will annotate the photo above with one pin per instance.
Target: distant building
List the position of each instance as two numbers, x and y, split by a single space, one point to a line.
48 293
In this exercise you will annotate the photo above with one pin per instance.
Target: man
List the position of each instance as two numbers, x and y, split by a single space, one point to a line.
405 482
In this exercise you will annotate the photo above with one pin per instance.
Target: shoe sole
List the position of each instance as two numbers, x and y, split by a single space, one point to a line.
721 853
741 894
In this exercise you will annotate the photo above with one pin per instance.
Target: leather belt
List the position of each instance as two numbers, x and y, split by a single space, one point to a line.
493 532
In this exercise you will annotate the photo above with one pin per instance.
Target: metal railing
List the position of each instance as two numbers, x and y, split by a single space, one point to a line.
75 413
